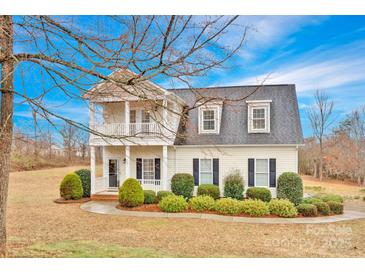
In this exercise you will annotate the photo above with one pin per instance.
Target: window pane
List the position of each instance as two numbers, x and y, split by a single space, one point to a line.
206 165
208 125
258 113
206 178
208 114
132 116
148 169
261 165
259 124
262 179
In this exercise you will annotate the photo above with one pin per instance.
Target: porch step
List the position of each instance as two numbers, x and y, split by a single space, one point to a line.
104 197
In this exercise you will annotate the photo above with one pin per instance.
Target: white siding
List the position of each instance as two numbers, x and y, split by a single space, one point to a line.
235 157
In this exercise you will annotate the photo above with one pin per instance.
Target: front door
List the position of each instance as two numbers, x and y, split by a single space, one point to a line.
113 173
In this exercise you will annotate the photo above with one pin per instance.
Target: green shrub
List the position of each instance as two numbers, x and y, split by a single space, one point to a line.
202 203
234 186
311 200
336 207
227 206
362 190
331 197
149 197
85 177
183 184
260 193
307 210
173 203
323 208
282 208
163 193
290 186
131 193
254 208
357 197
71 187
210 190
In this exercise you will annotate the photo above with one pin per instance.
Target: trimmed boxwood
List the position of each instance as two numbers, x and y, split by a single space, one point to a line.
290 186
163 193
202 203
173 203
85 177
254 208
323 208
182 184
227 206
307 210
260 193
234 186
149 197
282 208
71 187
336 207
210 190
131 193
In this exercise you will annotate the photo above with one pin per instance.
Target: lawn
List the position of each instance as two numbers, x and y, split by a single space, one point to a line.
37 227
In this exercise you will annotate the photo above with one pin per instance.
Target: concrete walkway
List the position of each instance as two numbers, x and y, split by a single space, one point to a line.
107 207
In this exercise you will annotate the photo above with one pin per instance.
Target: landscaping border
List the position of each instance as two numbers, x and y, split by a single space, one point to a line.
79 201
109 208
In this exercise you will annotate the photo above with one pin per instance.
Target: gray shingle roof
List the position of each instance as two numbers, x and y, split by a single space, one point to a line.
285 121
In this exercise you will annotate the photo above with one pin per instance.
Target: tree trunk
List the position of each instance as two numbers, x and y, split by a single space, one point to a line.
321 161
6 123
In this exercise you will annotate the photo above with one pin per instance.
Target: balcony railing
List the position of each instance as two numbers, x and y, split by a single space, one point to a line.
131 129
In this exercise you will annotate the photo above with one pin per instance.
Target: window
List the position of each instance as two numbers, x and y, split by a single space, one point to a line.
132 116
148 169
206 171
262 172
209 119
145 116
259 116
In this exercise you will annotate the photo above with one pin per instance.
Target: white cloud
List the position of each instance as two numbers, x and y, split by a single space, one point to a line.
319 69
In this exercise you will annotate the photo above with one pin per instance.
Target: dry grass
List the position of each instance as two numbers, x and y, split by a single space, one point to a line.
37 227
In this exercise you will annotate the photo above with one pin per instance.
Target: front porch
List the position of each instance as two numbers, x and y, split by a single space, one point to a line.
148 164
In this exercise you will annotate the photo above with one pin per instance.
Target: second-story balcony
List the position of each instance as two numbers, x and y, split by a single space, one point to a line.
130 129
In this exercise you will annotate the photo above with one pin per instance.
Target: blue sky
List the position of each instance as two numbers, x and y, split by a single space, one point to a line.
313 52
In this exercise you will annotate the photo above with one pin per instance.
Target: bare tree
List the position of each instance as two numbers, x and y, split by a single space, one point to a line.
69 134
72 57
320 116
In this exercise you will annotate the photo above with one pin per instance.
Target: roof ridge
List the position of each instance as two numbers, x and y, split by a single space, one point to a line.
240 86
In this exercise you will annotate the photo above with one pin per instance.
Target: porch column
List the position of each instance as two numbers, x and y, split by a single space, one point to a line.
126 114
91 117
164 117
165 183
127 161
92 170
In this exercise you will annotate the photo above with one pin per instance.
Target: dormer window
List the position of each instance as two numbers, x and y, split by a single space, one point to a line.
209 119
259 116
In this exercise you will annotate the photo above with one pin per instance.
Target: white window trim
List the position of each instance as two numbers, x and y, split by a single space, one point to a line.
211 167
154 167
265 104
216 110
268 171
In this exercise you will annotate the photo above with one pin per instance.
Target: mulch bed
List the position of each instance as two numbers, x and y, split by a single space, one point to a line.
155 208
63 201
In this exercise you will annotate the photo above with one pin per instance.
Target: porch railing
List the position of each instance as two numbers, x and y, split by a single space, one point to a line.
131 129
151 182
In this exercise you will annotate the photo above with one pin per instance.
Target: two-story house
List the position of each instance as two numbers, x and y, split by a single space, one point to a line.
150 133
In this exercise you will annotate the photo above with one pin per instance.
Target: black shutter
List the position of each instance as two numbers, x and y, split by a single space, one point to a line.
139 168
272 172
251 172
196 171
157 169
216 171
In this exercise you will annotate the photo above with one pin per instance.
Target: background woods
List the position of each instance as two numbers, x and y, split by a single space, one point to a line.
343 150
